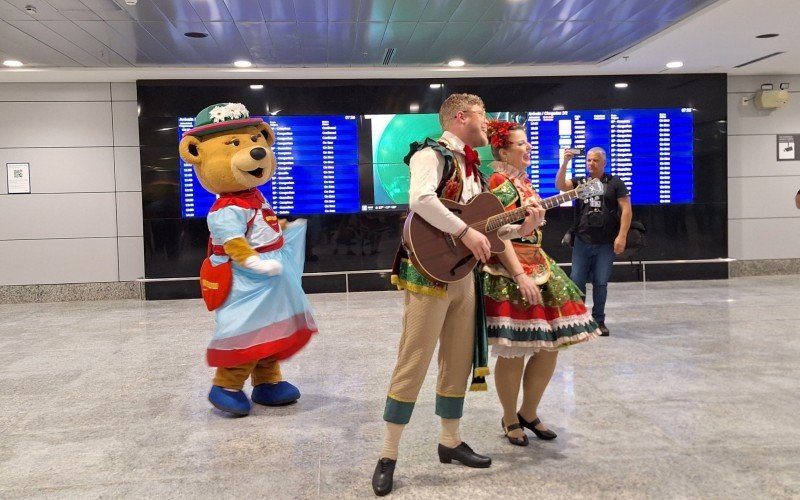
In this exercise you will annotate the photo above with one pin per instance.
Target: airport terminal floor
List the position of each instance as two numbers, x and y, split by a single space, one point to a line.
694 395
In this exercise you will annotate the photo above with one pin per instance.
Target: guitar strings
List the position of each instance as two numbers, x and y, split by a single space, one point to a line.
569 195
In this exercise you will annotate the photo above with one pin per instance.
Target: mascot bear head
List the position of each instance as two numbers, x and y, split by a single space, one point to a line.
229 150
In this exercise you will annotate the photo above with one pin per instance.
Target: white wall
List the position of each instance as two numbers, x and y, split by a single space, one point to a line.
82 222
763 222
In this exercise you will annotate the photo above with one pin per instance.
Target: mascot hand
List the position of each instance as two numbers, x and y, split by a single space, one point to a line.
270 267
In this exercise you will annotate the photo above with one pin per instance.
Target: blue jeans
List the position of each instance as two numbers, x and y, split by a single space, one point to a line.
595 263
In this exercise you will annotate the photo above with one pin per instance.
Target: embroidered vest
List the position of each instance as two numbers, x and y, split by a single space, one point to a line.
404 275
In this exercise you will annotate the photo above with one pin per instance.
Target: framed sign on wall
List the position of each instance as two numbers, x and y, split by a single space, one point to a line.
19 178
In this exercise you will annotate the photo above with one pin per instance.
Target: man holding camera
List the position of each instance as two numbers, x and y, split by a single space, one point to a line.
601 229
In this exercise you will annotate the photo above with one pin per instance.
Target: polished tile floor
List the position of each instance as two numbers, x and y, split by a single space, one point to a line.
694 395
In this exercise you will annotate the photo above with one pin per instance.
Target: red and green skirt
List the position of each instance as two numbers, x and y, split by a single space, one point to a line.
517 328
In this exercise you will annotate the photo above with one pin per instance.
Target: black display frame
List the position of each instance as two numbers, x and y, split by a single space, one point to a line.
174 247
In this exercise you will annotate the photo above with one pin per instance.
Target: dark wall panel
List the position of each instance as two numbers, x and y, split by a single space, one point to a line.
175 247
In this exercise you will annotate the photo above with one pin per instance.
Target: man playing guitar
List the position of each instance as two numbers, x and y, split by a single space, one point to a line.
434 311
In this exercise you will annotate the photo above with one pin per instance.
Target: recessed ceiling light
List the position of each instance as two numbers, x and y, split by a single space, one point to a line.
674 64
436 85
256 87
621 85
767 35
195 34
455 63
242 64
12 63
414 107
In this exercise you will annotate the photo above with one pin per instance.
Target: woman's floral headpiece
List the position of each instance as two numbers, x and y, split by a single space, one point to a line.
498 131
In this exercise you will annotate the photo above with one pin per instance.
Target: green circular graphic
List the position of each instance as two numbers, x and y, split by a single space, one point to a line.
393 145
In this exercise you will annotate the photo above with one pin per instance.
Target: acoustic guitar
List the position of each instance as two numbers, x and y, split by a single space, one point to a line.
441 257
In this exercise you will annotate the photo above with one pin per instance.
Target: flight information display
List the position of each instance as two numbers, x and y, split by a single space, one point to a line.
650 150
316 168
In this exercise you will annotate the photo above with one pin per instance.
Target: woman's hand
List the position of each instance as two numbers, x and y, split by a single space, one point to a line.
529 289
534 219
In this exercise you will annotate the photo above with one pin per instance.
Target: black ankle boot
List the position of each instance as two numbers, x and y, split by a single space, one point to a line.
383 477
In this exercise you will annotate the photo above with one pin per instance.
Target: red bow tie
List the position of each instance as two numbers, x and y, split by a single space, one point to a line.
472 162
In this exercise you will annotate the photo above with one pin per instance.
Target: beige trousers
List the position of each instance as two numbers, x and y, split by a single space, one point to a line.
450 321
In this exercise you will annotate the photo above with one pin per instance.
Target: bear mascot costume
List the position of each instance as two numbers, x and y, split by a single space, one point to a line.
252 275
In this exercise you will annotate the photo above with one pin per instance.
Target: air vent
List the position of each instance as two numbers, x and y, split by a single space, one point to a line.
388 55
759 59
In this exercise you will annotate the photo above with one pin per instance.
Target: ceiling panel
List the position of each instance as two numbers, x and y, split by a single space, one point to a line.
257 38
277 10
472 10
29 50
228 39
439 11
376 10
173 11
501 48
53 39
9 12
311 10
397 35
105 9
141 38
422 39
331 33
245 10
442 48
211 10
87 42
286 42
368 42
188 50
408 10
343 10
341 41
107 36
44 11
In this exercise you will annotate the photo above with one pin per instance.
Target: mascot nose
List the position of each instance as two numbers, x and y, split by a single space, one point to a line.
258 153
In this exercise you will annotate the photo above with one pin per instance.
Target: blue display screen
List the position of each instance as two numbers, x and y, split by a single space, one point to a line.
316 168
651 150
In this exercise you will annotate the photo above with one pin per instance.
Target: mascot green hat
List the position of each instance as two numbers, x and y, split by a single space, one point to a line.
220 117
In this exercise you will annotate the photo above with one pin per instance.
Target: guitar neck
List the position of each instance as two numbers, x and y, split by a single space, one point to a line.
497 221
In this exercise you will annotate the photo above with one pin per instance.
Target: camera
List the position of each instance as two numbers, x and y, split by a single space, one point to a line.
594 219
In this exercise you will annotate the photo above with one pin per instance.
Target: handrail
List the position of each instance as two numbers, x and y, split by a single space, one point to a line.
642 263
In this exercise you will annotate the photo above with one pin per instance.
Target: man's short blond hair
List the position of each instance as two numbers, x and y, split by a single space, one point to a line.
454 104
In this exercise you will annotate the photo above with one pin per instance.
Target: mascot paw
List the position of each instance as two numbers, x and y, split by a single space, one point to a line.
278 394
270 267
233 402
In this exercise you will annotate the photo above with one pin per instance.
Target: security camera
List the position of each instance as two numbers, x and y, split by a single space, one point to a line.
131 2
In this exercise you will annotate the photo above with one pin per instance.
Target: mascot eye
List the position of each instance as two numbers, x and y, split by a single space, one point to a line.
235 142
254 138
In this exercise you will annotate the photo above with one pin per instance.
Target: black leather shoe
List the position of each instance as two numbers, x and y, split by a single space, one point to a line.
546 434
603 329
383 477
464 454
519 441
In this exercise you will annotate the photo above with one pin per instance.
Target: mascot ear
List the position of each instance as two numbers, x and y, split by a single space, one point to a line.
267 132
189 151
